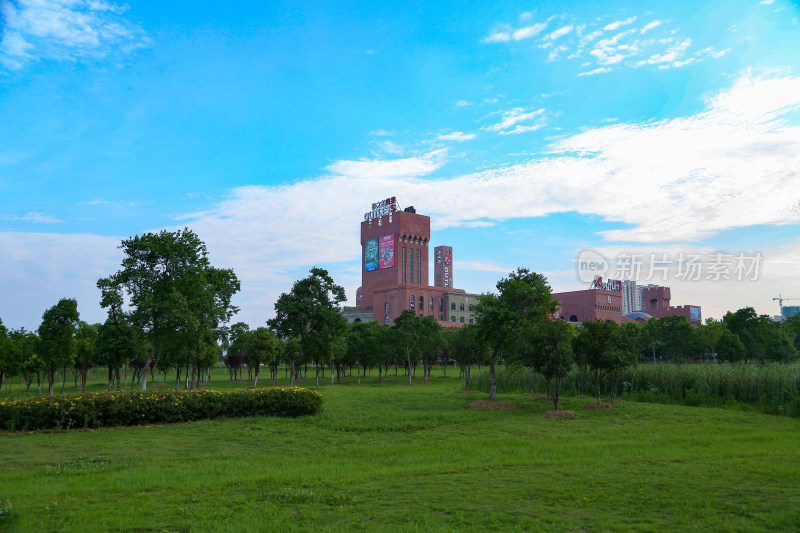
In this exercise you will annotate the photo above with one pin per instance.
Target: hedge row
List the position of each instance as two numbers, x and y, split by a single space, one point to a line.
134 408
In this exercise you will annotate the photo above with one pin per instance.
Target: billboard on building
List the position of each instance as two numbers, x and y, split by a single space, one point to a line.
371 255
386 250
694 313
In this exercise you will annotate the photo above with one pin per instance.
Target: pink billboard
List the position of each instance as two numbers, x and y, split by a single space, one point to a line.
387 251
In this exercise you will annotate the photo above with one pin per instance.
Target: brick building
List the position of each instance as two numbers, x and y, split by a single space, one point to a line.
395 269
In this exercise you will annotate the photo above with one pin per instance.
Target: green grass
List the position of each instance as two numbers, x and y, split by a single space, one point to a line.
413 458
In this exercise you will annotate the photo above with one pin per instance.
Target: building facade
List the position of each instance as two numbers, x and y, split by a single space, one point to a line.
395 268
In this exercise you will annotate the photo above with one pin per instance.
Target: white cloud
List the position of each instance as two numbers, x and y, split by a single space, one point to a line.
651 25
555 53
513 117
64 30
733 165
456 136
41 268
599 70
529 31
618 24
396 168
36 217
560 32
502 35
463 103
672 55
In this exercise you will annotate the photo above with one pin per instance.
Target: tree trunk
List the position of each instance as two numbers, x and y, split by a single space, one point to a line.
466 377
147 365
597 382
177 378
493 376
358 371
255 382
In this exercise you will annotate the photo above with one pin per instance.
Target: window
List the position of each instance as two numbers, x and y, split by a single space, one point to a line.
471 320
470 307
419 267
421 303
461 319
453 306
411 266
412 302
386 319
461 307
441 317
404 265
452 319
430 304
441 304
386 307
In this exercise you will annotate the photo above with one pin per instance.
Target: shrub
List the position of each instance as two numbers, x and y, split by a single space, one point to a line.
133 408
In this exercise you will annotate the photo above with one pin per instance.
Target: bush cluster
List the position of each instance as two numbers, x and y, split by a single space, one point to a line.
134 408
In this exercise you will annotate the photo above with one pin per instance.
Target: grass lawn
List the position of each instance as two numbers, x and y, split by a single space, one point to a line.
414 458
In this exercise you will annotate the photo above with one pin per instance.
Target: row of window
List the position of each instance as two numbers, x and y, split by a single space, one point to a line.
460 319
408 265
460 307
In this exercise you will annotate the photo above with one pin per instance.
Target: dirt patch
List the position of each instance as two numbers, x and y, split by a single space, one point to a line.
487 405
597 406
318 388
465 392
557 415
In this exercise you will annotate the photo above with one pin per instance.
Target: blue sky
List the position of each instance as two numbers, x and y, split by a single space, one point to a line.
527 131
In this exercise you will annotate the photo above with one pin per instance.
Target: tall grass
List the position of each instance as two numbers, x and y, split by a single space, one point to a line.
773 388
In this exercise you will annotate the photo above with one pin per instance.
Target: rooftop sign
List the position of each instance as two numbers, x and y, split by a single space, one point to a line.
607 285
384 207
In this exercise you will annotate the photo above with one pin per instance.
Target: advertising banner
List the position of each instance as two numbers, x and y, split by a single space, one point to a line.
371 255
387 251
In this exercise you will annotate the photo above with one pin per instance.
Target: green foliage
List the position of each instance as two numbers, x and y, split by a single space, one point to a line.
524 297
174 292
772 388
311 306
57 345
135 408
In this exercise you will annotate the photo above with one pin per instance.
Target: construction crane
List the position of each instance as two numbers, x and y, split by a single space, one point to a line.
781 299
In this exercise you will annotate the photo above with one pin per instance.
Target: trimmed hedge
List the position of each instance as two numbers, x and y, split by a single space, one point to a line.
135 408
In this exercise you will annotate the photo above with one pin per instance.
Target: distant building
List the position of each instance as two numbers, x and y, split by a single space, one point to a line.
657 303
395 267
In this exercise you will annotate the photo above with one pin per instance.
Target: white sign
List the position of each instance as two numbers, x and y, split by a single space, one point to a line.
384 207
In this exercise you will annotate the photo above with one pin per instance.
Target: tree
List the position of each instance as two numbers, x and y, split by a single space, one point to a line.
752 329
730 348
9 363
261 347
306 308
524 297
173 288
553 354
779 347
430 343
708 336
651 336
677 337
57 345
469 349
406 328
604 348
85 338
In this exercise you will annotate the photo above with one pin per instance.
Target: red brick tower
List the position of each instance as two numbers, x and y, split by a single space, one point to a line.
443 266
656 300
